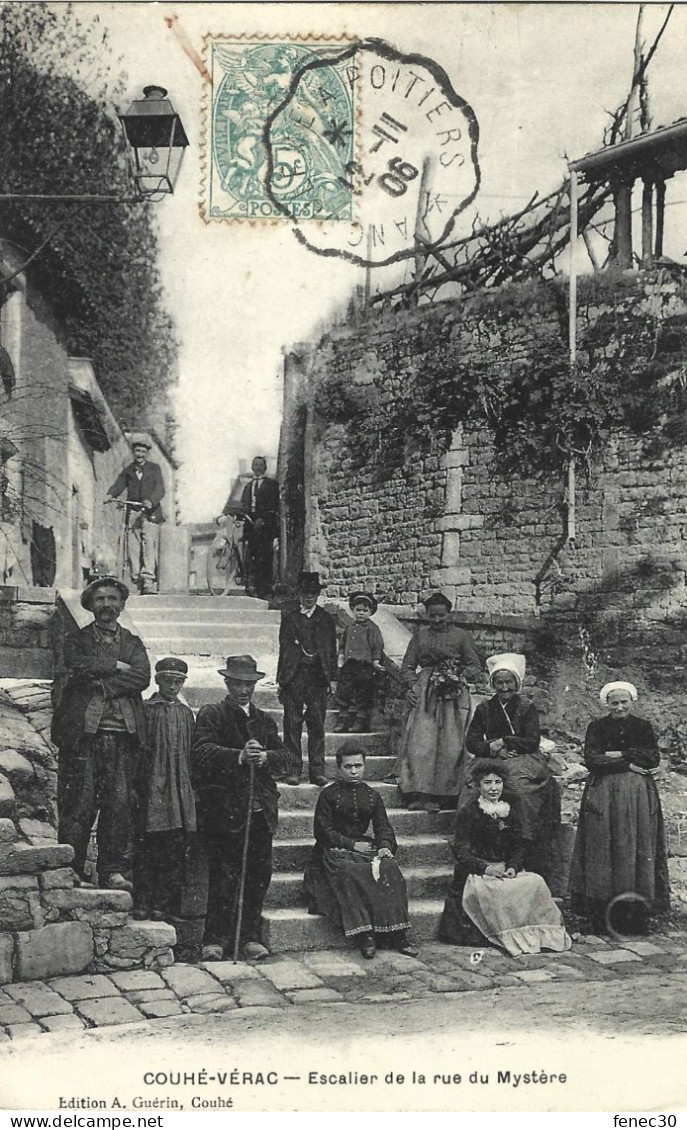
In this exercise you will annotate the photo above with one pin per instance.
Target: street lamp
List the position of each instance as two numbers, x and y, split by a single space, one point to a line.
156 140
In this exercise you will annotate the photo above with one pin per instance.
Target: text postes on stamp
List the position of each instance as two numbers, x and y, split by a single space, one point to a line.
414 167
303 174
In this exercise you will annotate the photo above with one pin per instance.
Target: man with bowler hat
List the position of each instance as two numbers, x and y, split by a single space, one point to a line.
235 756
99 728
144 487
306 668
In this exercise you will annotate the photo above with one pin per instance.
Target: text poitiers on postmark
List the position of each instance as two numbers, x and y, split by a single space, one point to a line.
414 168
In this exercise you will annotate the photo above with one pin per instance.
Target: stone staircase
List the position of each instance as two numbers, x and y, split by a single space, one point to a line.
205 629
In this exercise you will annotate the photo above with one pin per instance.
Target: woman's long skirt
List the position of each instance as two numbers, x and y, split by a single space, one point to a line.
431 759
620 846
517 914
341 885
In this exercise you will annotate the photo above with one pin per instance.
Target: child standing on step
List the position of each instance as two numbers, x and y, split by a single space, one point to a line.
360 656
168 806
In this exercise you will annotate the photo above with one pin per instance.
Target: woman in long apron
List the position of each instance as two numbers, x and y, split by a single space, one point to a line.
509 907
506 727
619 872
431 761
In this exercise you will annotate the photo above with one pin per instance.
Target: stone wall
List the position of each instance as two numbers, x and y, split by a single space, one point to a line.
60 471
614 598
25 624
451 519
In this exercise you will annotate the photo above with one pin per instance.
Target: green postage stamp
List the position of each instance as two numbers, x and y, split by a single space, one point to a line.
280 130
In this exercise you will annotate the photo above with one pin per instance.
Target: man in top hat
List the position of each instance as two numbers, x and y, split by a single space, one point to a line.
235 756
168 804
260 503
99 729
144 487
306 668
360 655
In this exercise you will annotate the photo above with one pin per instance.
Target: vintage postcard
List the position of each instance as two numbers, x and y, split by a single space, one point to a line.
343 760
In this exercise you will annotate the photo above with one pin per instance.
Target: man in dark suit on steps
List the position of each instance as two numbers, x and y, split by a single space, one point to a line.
230 737
307 665
260 502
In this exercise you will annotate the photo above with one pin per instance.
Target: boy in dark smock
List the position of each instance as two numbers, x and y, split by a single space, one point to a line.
168 801
360 651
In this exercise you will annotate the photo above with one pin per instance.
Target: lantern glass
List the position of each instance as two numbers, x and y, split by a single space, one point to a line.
156 140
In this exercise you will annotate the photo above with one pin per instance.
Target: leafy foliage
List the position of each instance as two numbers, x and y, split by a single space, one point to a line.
504 366
59 134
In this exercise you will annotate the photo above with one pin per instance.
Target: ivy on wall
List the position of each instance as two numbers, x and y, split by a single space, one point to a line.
502 363
59 88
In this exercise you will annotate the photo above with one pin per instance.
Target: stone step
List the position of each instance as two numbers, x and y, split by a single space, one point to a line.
175 601
377 766
216 632
206 617
297 822
413 851
204 686
288 929
257 644
277 712
287 892
304 798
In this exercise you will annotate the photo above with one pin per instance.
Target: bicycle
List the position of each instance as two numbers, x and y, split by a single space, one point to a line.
226 555
122 571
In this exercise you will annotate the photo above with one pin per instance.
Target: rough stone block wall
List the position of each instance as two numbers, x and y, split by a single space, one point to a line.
451 519
378 535
25 622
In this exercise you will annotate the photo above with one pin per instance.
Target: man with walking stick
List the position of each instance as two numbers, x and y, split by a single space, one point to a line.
235 756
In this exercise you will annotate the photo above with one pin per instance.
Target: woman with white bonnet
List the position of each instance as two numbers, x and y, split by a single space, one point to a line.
619 870
506 727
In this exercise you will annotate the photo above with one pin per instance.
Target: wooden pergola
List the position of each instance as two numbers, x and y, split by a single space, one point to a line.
653 158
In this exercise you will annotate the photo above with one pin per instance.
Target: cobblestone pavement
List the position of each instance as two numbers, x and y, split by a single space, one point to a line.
30 1008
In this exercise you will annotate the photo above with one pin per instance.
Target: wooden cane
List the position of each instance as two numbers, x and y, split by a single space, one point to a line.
244 860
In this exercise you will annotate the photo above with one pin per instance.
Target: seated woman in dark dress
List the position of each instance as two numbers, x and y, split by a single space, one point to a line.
507 727
352 878
510 907
619 871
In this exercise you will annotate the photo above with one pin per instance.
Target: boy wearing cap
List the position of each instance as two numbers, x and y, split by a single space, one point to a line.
168 807
144 485
360 655
235 756
99 729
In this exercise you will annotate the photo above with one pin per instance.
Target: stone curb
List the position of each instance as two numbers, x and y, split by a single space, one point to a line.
32 1008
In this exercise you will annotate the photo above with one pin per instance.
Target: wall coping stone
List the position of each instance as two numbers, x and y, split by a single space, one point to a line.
409 612
26 594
